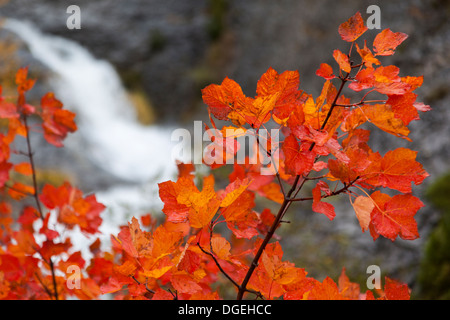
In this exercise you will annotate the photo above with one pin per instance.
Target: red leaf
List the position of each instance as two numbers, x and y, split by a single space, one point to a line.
297 160
325 71
342 59
320 206
392 217
395 290
387 41
353 28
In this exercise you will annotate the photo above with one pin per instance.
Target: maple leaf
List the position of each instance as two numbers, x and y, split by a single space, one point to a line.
367 56
281 272
73 207
233 191
284 89
380 115
348 289
320 206
325 71
57 122
396 170
184 283
325 290
240 217
343 60
363 207
353 28
298 159
395 290
168 192
392 217
387 41
225 101
221 247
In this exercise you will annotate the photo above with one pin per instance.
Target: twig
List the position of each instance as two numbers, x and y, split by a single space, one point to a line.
287 202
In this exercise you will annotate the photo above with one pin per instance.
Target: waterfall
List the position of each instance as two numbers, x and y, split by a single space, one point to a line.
114 140
92 89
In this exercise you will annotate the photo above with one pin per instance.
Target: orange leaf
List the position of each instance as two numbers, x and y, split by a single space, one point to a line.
233 191
297 160
327 290
221 247
353 28
320 206
23 168
225 101
19 190
387 41
396 170
348 289
343 60
395 290
325 71
363 206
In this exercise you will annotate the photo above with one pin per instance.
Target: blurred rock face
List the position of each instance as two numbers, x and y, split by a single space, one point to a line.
171 48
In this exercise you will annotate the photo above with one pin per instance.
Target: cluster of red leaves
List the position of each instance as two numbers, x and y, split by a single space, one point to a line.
211 235
34 256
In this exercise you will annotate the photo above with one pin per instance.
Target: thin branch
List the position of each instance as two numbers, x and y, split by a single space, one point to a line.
219 266
286 203
33 168
145 284
44 286
334 193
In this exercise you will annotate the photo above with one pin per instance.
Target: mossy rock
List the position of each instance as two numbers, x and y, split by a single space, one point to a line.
434 274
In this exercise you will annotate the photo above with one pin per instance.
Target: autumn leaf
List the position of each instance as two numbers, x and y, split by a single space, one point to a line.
23 168
320 206
387 41
225 101
297 160
342 60
325 71
221 247
363 207
284 88
367 56
395 290
233 191
325 290
348 289
353 28
57 122
396 170
392 217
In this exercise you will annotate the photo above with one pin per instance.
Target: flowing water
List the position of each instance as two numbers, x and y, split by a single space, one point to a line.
113 138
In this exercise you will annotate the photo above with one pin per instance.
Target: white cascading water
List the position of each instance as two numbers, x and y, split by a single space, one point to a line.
115 140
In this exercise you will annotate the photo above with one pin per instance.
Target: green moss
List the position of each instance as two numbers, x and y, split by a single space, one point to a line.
434 274
217 12
157 40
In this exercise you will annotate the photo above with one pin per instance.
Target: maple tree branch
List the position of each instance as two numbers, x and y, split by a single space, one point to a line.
30 156
218 265
287 201
33 168
19 191
145 284
258 294
334 193
43 285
